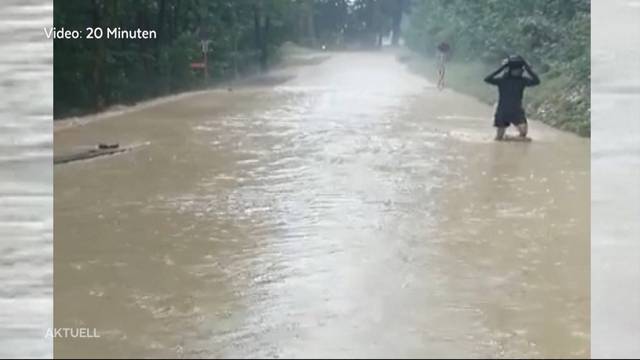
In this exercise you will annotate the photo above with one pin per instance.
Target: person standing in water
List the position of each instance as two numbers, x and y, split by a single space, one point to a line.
443 56
511 86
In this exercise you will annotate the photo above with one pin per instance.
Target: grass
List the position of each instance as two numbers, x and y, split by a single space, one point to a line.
559 101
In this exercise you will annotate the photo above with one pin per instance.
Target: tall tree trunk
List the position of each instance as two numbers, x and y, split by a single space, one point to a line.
98 59
176 16
300 23
160 23
159 77
373 23
311 27
261 24
257 13
146 49
397 21
264 56
234 34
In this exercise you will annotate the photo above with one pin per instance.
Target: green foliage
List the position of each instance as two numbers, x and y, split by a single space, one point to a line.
244 35
92 74
553 35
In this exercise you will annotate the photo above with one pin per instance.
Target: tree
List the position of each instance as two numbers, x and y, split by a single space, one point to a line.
244 37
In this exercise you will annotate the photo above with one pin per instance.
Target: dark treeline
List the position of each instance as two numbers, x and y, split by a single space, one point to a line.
244 35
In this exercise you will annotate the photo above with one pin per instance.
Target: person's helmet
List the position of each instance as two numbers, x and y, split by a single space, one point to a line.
515 62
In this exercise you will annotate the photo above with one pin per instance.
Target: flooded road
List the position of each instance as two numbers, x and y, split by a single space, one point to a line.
354 211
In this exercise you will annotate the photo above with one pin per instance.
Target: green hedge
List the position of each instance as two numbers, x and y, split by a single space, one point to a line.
553 35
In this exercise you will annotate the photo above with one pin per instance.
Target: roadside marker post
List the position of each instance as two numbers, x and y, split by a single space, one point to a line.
205 49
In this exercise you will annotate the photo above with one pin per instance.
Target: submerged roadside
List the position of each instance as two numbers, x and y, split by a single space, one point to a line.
559 101
514 221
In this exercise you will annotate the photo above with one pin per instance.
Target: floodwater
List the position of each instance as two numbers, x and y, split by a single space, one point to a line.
354 211
26 176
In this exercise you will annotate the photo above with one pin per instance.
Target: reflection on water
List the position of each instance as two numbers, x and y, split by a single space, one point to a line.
25 179
345 213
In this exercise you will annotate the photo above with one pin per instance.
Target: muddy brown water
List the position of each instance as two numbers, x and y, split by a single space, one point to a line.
353 211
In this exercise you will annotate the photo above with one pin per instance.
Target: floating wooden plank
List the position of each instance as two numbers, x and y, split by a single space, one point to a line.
88 154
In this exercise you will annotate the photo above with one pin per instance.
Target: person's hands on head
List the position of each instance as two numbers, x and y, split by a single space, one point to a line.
504 65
